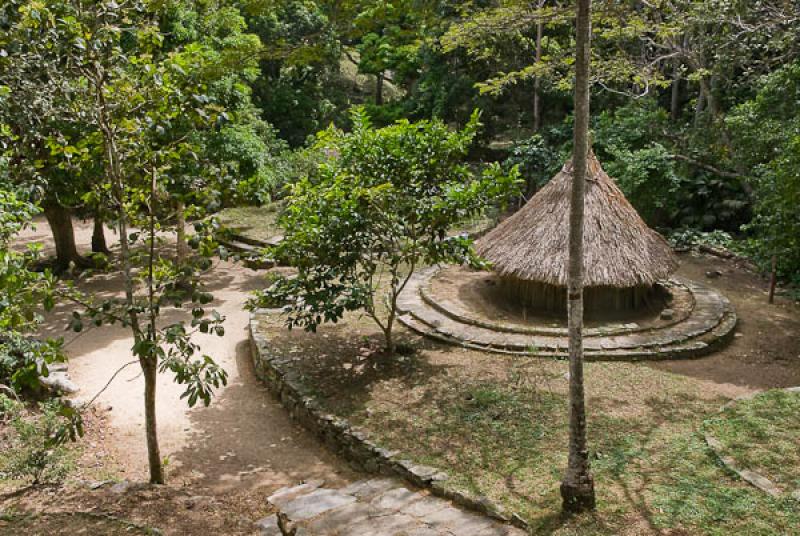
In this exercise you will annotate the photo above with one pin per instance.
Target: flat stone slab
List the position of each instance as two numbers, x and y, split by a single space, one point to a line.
374 507
268 526
705 326
315 503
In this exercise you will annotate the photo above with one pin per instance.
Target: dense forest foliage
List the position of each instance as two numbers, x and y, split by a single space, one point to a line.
696 103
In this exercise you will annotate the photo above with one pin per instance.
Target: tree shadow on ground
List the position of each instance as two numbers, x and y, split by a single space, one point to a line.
245 439
343 364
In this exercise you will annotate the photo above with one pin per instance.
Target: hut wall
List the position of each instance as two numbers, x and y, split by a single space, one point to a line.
597 301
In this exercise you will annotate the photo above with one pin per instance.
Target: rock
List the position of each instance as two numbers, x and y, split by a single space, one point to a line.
713 274
76 402
268 526
667 314
100 484
315 503
395 499
59 382
201 501
796 495
121 487
285 495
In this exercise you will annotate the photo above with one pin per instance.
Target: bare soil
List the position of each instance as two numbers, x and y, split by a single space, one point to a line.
222 461
765 352
497 423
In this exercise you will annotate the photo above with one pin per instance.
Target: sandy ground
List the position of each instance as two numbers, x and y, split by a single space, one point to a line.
243 440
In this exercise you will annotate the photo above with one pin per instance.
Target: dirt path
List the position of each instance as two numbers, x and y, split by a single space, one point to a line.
243 441
765 353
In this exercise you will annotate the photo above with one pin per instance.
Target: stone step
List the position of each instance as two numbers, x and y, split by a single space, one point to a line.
374 507
693 348
710 322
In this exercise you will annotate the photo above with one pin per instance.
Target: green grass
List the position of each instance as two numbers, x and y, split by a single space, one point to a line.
259 223
498 426
509 444
763 435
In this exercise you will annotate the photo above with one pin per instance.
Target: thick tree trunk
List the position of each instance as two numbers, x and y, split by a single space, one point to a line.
182 248
99 244
577 487
699 105
379 88
150 371
60 220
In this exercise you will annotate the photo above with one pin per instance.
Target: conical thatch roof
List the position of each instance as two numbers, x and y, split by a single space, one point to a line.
620 250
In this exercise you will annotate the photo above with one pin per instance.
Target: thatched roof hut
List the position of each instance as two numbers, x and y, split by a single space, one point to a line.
623 257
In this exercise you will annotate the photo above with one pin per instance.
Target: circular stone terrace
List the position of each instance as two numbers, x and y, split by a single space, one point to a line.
461 306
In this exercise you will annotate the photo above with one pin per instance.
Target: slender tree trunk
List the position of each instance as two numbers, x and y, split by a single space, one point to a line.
711 97
147 362
150 363
773 279
60 220
537 98
182 248
150 370
577 487
675 97
379 88
99 244
389 336
700 105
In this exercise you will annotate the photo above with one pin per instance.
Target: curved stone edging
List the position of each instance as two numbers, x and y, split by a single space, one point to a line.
710 324
454 311
341 437
751 477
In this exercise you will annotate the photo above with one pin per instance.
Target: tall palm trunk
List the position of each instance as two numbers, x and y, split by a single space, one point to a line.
577 488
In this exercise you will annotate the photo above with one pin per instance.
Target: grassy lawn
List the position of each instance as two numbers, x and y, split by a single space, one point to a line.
763 434
259 223
497 426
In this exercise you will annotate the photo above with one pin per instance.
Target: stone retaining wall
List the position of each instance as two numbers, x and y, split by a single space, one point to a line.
337 434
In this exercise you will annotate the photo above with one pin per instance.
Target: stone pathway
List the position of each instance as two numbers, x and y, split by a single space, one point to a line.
709 325
376 507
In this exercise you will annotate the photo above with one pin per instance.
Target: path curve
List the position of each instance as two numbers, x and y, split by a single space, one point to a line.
243 440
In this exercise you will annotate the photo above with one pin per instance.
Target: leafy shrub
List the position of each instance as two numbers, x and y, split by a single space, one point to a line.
23 360
635 144
34 443
765 134
22 295
538 161
381 207
687 237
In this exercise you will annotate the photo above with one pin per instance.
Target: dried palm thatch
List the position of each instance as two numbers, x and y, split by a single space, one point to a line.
620 250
